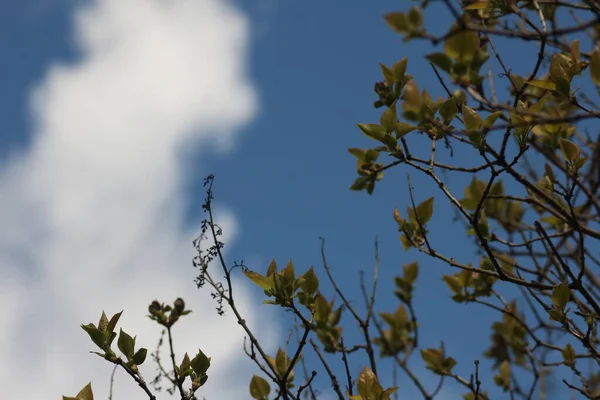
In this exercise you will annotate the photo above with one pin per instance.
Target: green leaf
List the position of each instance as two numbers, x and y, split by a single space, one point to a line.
569 150
272 268
560 295
556 69
86 393
542 84
453 283
200 364
113 322
472 120
569 355
367 385
126 344
503 377
448 110
288 272
478 5
140 356
595 67
322 308
266 283
563 87
398 22
358 153
185 363
402 128
432 357
399 69
373 131
388 75
360 183
310 284
425 210
389 119
440 60
259 388
415 17
103 322
489 121
411 272
462 46
96 335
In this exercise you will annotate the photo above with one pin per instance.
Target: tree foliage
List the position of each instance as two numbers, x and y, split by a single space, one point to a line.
531 211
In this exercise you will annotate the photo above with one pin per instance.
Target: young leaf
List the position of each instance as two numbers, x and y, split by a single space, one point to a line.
489 121
569 355
398 22
373 131
113 322
126 344
560 295
471 118
266 283
462 45
548 85
569 150
440 60
259 388
388 75
453 283
96 335
389 119
425 210
310 284
399 69
411 272
200 363
595 67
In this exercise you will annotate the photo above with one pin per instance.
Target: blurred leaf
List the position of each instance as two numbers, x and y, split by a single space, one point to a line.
399 69
569 150
402 128
568 353
373 131
472 120
453 283
266 283
478 5
398 22
440 60
388 75
462 45
560 295
425 210
389 119
411 272
200 364
448 110
367 385
310 284
595 67
489 121
542 84
259 388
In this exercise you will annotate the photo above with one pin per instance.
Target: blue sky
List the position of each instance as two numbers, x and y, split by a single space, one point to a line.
111 116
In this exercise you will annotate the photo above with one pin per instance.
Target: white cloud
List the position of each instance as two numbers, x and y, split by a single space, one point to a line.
92 212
